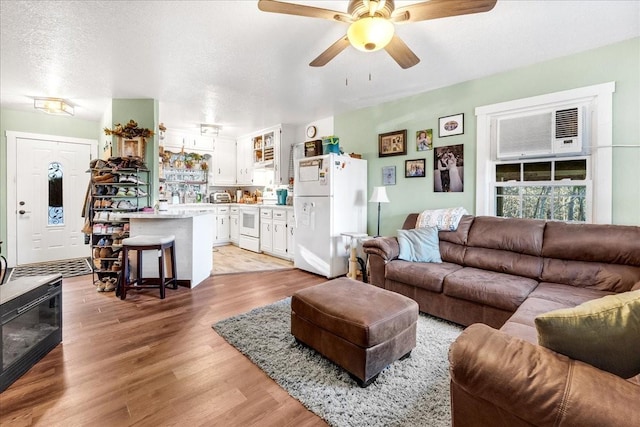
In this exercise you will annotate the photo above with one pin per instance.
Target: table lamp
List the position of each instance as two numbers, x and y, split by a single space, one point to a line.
379 196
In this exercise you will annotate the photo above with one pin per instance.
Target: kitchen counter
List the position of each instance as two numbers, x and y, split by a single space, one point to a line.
170 214
193 229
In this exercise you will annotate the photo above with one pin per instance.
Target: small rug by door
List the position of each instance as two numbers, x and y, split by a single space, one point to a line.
412 392
66 267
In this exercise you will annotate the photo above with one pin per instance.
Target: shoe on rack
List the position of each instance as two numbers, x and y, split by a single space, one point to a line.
106 252
122 192
126 204
100 284
101 242
140 193
110 285
131 192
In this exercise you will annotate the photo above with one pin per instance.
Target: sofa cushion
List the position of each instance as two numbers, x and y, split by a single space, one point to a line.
504 262
604 332
570 296
426 276
504 291
419 245
592 243
508 234
596 275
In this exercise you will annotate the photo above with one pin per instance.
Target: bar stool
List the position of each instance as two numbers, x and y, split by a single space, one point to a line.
146 243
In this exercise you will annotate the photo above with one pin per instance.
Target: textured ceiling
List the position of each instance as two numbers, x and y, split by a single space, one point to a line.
226 62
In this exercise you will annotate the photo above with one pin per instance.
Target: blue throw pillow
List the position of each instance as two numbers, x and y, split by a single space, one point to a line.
419 245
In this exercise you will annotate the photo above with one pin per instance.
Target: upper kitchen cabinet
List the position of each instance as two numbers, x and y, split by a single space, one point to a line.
244 161
270 150
223 171
176 141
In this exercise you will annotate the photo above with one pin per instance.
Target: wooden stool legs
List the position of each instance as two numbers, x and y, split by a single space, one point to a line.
146 244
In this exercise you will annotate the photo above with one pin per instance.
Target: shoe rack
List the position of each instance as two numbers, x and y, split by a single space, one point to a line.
118 185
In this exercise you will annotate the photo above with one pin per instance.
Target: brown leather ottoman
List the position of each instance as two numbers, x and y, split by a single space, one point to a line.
360 327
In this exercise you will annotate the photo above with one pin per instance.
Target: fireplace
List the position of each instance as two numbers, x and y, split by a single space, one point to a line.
31 323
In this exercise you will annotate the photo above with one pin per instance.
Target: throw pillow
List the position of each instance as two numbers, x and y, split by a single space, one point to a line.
419 245
604 332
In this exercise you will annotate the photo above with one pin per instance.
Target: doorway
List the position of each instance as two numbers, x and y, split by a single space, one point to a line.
47 185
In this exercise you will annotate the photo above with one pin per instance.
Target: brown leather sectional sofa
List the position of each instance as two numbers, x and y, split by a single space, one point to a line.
503 273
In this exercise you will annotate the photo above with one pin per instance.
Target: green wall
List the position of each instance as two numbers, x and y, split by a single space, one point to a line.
358 130
145 113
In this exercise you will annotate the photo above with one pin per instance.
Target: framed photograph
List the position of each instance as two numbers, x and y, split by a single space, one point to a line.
388 175
451 125
448 169
392 143
414 168
424 140
131 147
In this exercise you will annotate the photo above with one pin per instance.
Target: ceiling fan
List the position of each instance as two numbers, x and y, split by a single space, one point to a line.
372 23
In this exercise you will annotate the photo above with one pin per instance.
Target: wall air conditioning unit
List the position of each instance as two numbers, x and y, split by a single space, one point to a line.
541 133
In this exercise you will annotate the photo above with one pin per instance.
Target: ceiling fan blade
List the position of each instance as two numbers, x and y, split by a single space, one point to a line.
435 9
331 52
301 10
401 53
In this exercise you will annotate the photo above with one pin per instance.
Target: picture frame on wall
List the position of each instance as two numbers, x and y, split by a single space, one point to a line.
424 140
414 168
388 175
392 143
451 125
131 147
448 169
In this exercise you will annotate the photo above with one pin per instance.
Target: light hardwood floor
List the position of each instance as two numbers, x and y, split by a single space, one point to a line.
150 362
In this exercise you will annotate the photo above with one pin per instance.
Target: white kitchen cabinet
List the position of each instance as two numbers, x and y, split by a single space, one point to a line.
269 152
266 230
279 235
223 170
175 141
221 226
244 161
291 240
234 225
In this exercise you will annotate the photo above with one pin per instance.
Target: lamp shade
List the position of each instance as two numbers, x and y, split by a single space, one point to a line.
370 33
379 195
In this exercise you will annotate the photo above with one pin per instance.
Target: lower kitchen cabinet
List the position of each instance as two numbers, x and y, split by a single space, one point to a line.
234 225
279 240
266 230
221 228
276 232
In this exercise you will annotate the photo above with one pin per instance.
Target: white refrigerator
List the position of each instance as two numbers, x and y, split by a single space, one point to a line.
330 193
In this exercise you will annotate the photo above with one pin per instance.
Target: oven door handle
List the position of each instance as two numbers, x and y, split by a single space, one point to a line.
32 304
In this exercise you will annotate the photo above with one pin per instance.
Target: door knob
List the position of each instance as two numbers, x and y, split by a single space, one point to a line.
22 212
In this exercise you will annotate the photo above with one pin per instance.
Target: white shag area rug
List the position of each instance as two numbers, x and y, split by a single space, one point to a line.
411 392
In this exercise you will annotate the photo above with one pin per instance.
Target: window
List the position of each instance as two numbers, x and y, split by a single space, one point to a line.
550 190
56 210
555 185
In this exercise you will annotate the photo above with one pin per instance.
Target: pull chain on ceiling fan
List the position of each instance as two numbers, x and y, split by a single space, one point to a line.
372 23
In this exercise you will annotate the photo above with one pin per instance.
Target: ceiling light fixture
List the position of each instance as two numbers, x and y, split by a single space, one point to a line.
370 33
53 106
209 130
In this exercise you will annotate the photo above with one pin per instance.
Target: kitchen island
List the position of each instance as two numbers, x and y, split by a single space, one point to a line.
193 230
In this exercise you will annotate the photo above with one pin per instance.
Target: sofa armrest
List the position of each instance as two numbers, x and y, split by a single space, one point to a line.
380 250
385 247
495 376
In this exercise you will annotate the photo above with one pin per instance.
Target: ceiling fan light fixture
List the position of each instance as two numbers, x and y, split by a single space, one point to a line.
370 33
53 106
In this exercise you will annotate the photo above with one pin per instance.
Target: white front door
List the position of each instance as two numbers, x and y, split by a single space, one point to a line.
51 181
